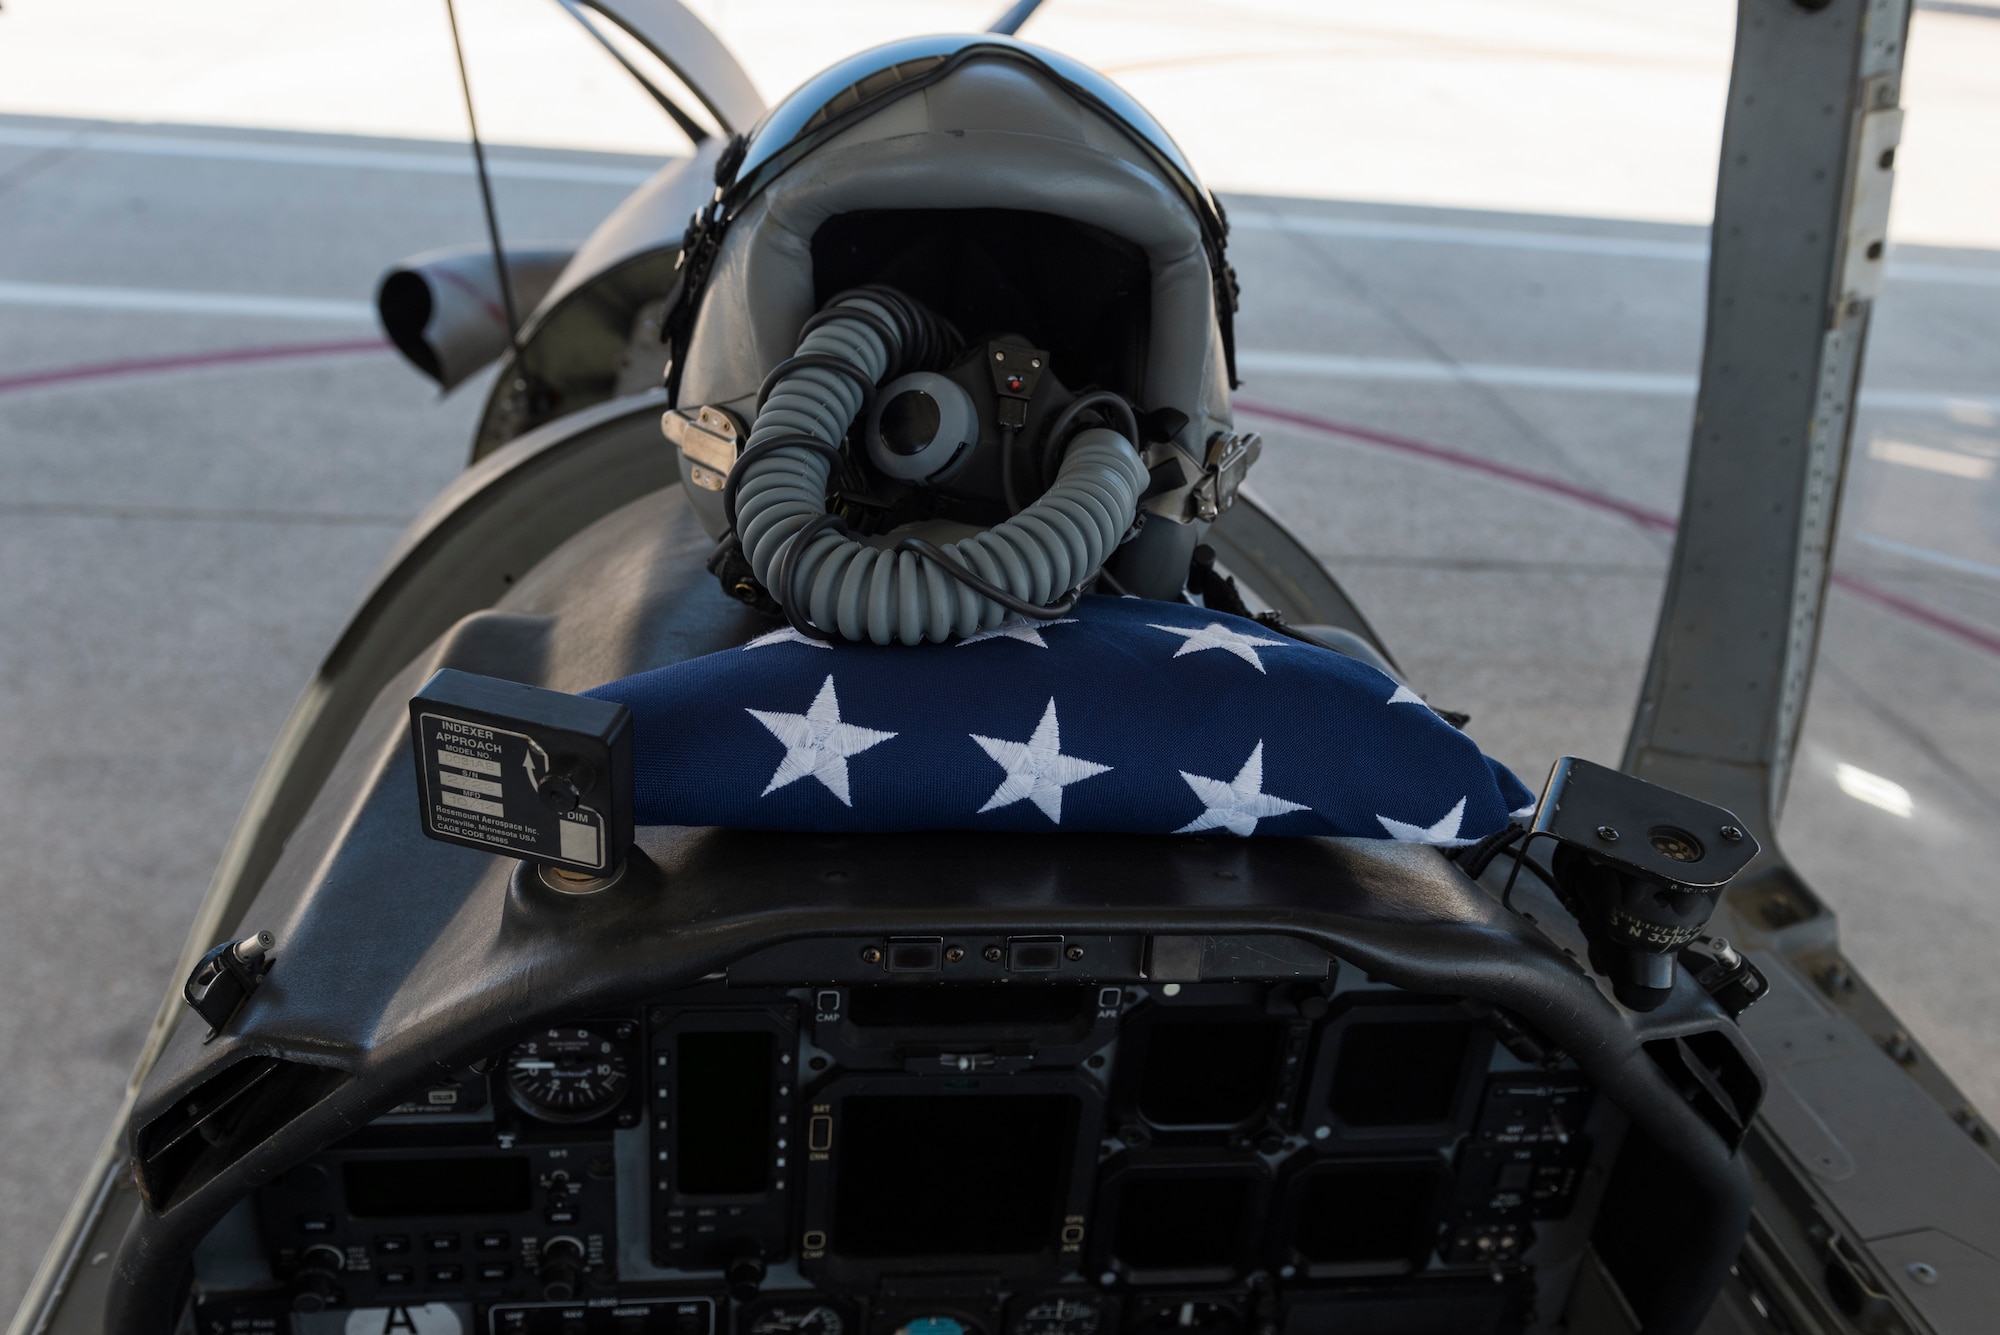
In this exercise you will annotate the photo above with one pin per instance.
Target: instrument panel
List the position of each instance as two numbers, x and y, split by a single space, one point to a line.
848 1138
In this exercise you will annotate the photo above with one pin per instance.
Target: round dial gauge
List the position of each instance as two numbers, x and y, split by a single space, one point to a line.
566 1075
797 1319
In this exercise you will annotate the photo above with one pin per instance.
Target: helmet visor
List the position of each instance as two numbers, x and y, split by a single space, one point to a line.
862 84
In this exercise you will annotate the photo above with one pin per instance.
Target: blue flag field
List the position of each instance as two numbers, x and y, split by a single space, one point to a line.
1127 715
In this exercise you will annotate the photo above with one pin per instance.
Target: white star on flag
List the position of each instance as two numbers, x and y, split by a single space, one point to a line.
1037 769
817 743
1215 635
1024 631
1236 806
786 636
1405 696
1443 833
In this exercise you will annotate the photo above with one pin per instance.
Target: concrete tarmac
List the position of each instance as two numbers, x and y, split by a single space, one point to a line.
180 547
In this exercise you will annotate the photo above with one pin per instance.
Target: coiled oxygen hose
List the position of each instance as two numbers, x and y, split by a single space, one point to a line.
829 581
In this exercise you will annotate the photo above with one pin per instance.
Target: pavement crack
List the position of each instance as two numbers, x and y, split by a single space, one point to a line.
37 163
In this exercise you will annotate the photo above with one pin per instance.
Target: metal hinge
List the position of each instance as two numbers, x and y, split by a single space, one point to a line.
1228 463
1867 242
708 438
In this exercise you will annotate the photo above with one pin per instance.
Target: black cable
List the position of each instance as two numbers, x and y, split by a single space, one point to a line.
986 588
1521 859
892 340
1098 400
923 341
1507 891
1010 23
903 315
1543 874
1476 859
486 194
758 451
1007 487
786 573
825 361
927 340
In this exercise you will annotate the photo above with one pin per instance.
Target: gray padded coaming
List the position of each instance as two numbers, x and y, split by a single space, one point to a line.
991 135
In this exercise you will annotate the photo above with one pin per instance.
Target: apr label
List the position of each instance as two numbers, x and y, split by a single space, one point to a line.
480 787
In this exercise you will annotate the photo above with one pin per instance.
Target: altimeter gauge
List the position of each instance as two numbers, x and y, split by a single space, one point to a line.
801 1317
567 1074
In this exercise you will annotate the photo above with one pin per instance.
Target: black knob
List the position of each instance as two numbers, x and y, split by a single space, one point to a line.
566 783
314 1290
561 1270
323 1257
744 1275
561 1281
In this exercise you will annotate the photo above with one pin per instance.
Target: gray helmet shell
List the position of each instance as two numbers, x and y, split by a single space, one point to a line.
999 133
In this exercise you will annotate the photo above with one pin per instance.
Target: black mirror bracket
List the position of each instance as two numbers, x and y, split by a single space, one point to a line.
1641 868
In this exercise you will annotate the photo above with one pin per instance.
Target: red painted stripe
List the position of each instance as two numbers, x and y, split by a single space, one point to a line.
471 289
1596 500
1938 621
1963 631
69 375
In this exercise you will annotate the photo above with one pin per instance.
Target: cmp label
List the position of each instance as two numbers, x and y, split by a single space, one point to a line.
480 785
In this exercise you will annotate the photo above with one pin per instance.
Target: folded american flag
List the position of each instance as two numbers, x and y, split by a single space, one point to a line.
1127 715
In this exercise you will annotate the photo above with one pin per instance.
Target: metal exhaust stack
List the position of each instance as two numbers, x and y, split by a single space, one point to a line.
444 310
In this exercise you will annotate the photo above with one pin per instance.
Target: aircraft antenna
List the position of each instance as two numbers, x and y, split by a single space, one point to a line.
486 193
